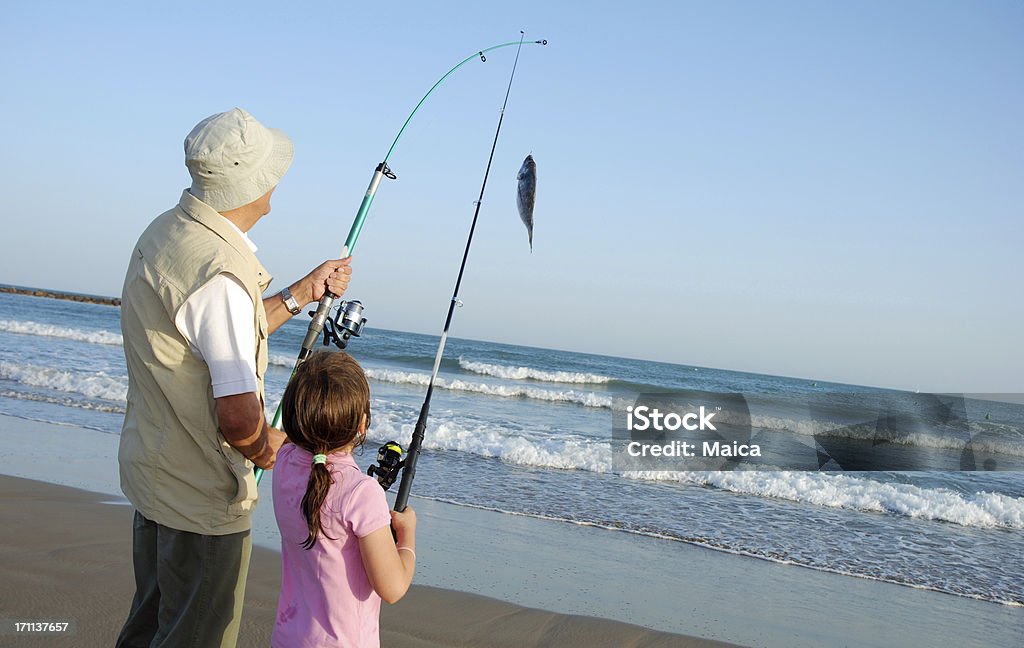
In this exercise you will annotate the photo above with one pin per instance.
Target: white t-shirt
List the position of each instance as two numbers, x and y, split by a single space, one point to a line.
217 322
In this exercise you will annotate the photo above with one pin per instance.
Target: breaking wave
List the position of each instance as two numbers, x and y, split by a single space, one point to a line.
575 452
280 360
984 510
63 332
566 452
92 385
524 373
587 399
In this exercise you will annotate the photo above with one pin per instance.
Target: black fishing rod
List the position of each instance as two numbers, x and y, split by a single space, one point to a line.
412 454
348 320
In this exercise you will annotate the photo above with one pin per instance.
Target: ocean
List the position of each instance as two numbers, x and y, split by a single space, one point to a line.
528 431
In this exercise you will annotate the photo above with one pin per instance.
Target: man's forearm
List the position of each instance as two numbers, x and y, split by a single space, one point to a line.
243 425
259 451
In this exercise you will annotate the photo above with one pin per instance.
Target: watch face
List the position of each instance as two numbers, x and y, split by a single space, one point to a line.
289 302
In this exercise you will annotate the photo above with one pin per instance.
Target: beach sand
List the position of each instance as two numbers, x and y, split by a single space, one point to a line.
66 555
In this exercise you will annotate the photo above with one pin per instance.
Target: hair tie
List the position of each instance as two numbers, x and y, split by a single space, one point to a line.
319 459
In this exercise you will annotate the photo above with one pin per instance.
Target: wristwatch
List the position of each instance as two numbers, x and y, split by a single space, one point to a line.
289 302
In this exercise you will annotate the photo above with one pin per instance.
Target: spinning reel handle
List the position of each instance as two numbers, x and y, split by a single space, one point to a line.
389 463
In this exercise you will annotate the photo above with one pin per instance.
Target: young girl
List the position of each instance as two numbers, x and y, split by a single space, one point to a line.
337 552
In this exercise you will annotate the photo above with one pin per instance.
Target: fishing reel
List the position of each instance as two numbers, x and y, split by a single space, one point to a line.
389 460
348 321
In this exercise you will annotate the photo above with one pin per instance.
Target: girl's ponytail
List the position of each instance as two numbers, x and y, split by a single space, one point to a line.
320 481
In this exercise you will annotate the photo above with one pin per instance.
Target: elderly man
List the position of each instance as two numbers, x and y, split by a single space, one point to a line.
195 326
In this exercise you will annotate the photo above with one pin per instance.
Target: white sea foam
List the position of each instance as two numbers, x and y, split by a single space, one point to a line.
566 452
587 399
63 332
523 373
280 360
575 452
92 385
985 510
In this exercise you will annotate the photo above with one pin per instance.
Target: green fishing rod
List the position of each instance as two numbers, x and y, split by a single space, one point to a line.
350 320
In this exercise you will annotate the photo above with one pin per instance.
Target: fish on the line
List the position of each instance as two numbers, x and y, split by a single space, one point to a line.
527 191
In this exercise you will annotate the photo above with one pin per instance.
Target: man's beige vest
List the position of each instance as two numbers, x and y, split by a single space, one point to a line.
176 468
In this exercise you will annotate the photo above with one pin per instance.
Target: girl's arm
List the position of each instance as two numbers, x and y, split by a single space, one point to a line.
389 569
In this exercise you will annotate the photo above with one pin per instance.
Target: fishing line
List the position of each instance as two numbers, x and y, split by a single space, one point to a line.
409 470
348 321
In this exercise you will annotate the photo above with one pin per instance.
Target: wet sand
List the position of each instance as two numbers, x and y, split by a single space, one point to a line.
65 556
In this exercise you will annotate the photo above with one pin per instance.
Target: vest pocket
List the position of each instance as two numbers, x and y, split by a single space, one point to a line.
242 469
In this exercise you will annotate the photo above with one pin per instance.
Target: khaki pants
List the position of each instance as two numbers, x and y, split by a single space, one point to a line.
189 588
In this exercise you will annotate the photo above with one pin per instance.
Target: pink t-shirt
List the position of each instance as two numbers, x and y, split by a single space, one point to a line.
326 597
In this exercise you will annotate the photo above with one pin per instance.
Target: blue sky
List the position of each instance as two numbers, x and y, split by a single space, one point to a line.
827 190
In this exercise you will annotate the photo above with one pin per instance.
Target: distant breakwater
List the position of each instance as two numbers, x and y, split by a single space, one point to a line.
57 294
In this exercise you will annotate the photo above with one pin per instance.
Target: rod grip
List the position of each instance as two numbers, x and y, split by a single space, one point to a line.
412 454
316 326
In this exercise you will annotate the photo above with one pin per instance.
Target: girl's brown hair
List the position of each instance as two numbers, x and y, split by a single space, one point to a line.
323 406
